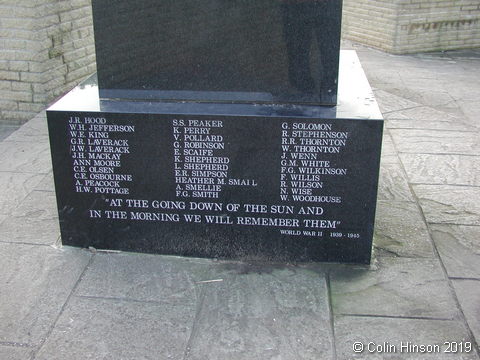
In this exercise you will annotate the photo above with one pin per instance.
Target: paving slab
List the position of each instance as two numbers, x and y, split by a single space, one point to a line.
427 114
396 115
471 109
47 183
35 231
424 93
6 131
15 353
401 287
394 339
426 80
381 77
230 310
425 117
92 328
36 282
34 130
459 249
14 187
388 149
389 102
442 169
436 142
274 314
38 203
34 221
144 277
392 182
401 231
448 204
23 156
463 80
468 294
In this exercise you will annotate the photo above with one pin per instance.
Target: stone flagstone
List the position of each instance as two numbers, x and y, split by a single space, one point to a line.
459 248
442 169
409 240
115 329
436 142
400 287
15 187
395 339
468 293
34 221
282 314
446 204
36 281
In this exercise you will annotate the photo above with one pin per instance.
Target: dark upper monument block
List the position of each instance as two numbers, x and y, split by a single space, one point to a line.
281 51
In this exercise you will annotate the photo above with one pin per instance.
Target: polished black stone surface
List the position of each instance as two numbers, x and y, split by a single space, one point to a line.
281 51
245 181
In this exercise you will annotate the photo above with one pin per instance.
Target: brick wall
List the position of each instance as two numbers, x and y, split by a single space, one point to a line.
408 26
47 47
371 22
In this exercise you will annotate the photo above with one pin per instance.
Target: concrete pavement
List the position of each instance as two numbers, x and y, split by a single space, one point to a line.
422 289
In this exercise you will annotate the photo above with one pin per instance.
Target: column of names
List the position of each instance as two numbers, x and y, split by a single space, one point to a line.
307 161
97 148
200 168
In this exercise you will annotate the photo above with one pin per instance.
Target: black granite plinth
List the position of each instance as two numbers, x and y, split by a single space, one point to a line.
282 51
244 181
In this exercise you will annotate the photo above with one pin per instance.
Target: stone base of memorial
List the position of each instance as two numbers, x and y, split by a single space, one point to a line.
242 181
